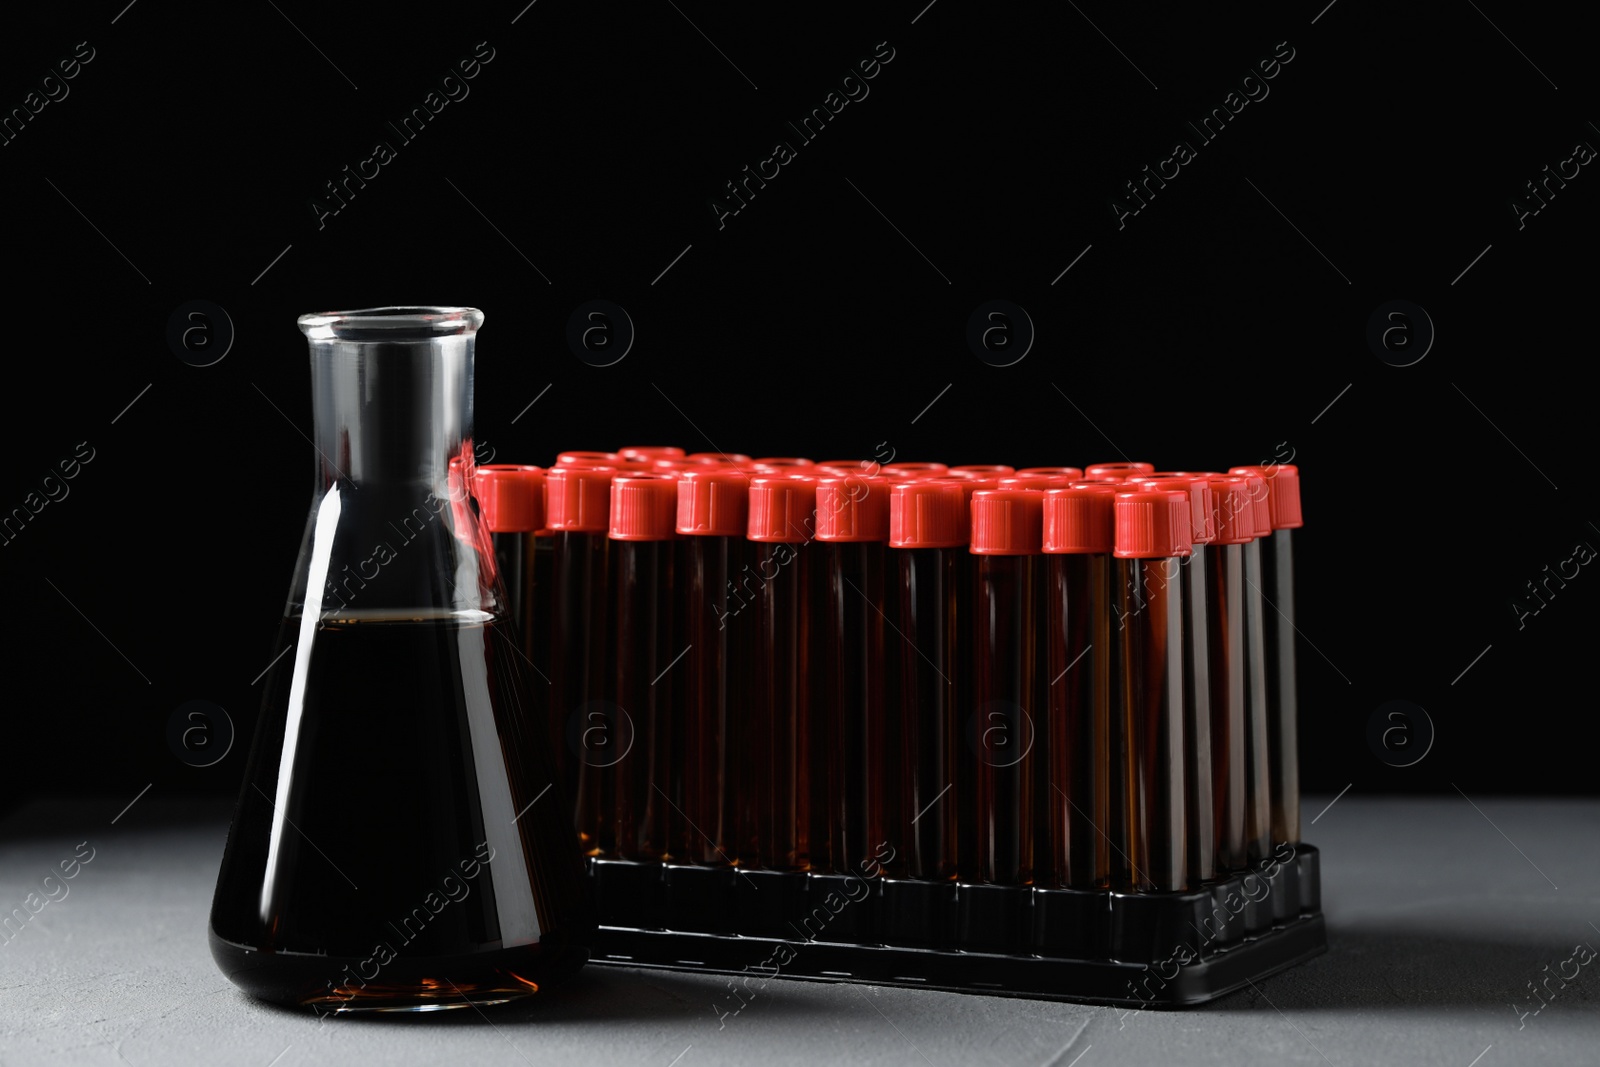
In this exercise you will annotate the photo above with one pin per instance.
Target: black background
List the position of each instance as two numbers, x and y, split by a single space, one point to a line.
824 318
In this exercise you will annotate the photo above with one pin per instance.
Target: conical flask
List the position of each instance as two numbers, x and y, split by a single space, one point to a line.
398 844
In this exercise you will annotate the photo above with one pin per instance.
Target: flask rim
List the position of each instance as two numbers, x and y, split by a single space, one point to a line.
392 324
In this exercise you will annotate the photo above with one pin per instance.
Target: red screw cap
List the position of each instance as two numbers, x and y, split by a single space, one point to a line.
1152 524
868 467
852 507
587 459
1202 503
1236 521
1074 473
720 457
1121 470
782 507
646 453
982 470
1080 520
1038 481
578 499
924 513
1260 506
510 497
783 461
1007 522
714 502
915 470
644 507
1283 493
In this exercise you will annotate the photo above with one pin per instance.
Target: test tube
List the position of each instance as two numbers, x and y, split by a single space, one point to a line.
854 775
578 507
1007 692
1152 534
644 510
719 628
1277 589
782 523
1257 708
928 534
1079 535
1235 527
511 503
1200 801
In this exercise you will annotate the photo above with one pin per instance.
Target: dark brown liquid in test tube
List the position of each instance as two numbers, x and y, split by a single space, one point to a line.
1198 771
927 538
782 523
855 775
1007 690
578 502
1277 588
1257 712
1153 533
1225 633
719 628
648 746
1078 539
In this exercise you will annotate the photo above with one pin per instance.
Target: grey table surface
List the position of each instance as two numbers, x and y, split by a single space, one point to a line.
1441 914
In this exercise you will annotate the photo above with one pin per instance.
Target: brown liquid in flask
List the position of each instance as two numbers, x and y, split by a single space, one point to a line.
397 844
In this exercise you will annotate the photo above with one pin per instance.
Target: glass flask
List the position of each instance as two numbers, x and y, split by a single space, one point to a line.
398 844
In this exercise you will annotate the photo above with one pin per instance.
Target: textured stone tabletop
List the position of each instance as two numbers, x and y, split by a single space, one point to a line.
1441 912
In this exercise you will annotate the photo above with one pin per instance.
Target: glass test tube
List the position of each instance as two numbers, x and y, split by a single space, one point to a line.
1007 692
928 535
1078 540
1152 534
781 525
649 736
719 627
855 776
